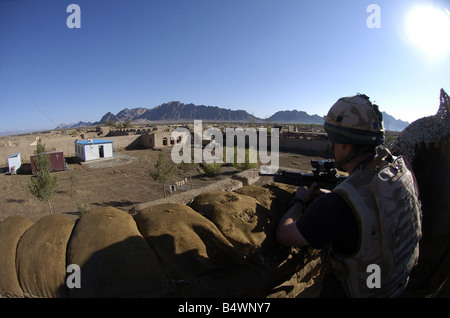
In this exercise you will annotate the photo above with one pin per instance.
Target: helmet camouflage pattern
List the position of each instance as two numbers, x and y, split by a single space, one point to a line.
355 120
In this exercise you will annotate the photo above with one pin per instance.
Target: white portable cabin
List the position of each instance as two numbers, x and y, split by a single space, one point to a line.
92 149
14 163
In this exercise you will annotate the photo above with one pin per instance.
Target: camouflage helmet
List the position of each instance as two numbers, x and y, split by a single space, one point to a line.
355 120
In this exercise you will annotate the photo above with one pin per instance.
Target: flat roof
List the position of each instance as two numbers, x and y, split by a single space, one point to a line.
94 142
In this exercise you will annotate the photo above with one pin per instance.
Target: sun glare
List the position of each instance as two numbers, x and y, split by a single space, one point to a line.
429 29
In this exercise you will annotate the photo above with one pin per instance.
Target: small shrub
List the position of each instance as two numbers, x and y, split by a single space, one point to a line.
247 164
83 207
212 169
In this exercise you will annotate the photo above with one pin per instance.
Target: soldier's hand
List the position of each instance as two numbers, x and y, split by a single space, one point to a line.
318 192
305 194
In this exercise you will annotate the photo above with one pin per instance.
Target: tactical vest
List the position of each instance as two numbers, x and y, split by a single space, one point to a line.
384 198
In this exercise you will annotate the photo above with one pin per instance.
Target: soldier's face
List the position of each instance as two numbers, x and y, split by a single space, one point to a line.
340 152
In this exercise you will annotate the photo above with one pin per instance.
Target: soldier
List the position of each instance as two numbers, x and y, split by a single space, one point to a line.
371 222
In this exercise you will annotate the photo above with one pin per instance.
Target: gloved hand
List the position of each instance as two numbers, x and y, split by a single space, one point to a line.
305 195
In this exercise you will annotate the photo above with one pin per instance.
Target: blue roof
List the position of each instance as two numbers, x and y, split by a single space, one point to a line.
94 142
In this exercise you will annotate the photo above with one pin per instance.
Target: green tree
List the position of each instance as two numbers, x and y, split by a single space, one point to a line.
163 171
42 185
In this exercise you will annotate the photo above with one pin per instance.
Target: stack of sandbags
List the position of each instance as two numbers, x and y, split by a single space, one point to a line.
222 245
187 244
196 257
114 258
272 270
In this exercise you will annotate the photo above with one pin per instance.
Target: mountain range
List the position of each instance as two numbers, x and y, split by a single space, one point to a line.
176 112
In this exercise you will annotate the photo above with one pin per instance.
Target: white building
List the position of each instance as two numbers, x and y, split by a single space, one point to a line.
92 149
14 163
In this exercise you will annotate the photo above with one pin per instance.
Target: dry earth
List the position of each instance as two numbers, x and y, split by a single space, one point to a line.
121 182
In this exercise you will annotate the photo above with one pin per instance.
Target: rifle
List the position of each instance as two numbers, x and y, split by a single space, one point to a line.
324 173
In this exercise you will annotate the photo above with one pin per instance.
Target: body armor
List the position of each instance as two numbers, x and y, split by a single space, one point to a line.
384 198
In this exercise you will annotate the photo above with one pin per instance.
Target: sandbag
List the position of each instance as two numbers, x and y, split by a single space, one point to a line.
188 244
240 218
11 230
264 196
114 258
41 256
283 194
273 196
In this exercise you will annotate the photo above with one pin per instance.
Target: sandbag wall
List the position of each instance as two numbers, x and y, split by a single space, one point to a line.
221 245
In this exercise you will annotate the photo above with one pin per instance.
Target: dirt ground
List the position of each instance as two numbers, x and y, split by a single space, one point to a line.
121 182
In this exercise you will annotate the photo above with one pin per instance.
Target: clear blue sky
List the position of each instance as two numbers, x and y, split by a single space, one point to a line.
258 55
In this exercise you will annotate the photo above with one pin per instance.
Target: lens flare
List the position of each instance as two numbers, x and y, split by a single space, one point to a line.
429 29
